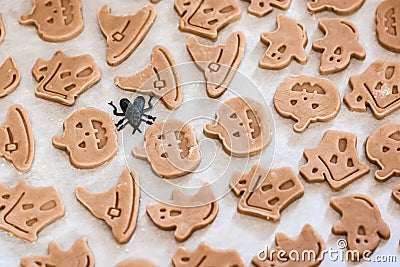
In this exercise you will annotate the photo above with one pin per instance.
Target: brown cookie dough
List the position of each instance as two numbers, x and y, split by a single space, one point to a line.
56 21
62 78
2 30
171 149
206 17
124 33
285 44
387 19
9 77
136 263
159 78
118 207
396 193
340 7
260 8
26 210
337 52
307 99
89 138
219 63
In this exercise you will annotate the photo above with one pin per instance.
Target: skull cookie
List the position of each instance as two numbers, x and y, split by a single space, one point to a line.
341 7
337 52
387 19
171 149
242 126
56 20
260 8
89 138
307 99
284 44
9 77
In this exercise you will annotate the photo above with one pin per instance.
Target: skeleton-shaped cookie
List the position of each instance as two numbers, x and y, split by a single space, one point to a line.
206 17
361 222
124 33
61 79
341 7
242 126
378 87
260 8
206 256
265 193
396 193
286 43
2 30
56 20
383 149
387 25
89 138
26 210
185 214
136 263
307 99
337 52
171 149
335 160
118 207
219 63
9 77
78 255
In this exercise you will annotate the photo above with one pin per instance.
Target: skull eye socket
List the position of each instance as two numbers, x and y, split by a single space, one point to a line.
233 116
361 230
282 49
50 20
82 144
79 125
385 149
48 4
338 51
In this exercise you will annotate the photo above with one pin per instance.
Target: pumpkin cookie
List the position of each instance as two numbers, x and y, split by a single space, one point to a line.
9 77
260 8
387 19
340 7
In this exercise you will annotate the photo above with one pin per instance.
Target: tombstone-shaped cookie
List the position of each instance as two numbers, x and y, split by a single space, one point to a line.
285 44
260 8
203 255
171 149
89 138
206 17
383 149
387 19
396 193
341 7
26 210
242 126
185 214
62 78
218 63
136 263
159 78
124 33
78 255
9 77
378 87
335 160
16 139
307 99
56 21
2 30
337 52
308 241
361 222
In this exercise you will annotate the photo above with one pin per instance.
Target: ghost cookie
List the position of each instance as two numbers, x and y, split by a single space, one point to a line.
9 77
340 7
135 263
171 149
2 30
396 193
285 44
218 63
159 78
260 8
242 126
206 17
387 18
56 21
337 52
307 99
89 138
124 33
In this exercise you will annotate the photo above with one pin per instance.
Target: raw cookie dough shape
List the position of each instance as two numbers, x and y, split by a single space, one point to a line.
55 20
335 160
361 222
136 263
260 8
61 79
2 30
26 210
171 149
387 20
89 138
337 52
206 256
16 139
159 78
78 255
286 43
396 193
383 149
9 77
242 127
185 214
124 33
206 17
307 241
307 99
265 193
218 63
378 87
340 7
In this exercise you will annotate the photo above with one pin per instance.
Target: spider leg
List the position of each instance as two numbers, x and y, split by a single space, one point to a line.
115 110
150 107
150 117
147 122
122 126
120 122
